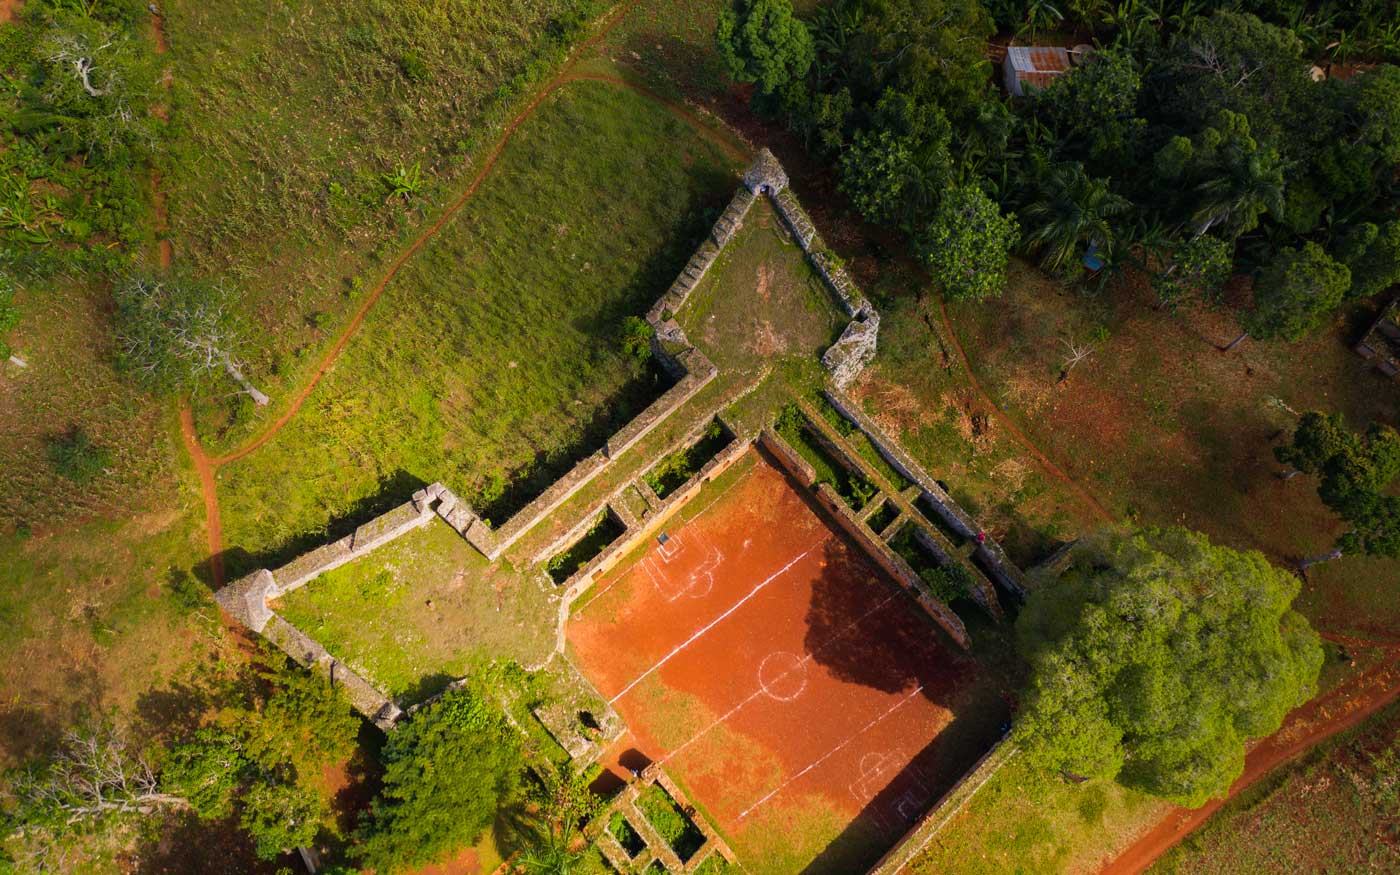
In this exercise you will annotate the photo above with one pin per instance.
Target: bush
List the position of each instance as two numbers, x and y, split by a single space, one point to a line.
74 456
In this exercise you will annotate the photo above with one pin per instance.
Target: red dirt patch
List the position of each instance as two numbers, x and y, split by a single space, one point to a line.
796 694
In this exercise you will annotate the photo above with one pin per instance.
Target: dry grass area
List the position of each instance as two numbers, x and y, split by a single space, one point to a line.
1165 429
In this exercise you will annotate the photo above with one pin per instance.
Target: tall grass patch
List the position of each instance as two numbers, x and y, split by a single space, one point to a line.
496 360
293 122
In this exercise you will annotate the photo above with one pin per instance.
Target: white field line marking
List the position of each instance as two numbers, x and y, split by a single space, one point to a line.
829 754
708 626
758 692
671 549
684 524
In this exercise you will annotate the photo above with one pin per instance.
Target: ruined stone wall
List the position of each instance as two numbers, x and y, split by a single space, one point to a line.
874 546
993 558
947 806
301 647
856 346
640 530
380 530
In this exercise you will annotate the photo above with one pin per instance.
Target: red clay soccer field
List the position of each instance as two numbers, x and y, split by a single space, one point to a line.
801 699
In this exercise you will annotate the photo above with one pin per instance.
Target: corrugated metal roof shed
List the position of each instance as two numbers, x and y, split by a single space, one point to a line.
1034 65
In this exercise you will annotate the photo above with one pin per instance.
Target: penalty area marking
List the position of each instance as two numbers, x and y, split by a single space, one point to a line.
831 753
710 625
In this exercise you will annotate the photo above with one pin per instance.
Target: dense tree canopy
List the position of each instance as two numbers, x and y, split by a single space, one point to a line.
1354 473
968 244
446 773
1295 292
1203 123
1156 655
761 42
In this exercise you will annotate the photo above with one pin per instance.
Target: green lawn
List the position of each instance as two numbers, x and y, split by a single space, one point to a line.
419 611
494 361
1023 822
1319 814
286 117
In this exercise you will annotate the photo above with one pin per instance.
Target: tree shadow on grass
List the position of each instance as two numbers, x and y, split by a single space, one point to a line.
392 491
186 845
426 687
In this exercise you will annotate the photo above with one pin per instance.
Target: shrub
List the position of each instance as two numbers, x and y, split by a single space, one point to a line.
74 456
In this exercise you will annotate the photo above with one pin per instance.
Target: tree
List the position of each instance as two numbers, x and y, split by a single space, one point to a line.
1373 254
173 332
94 783
96 81
1066 211
446 773
1198 269
931 50
1233 61
1155 656
1354 473
761 41
1232 179
967 245
1093 108
566 805
1294 293
874 173
280 817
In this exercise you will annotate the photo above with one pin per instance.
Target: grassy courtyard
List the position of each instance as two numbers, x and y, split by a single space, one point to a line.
419 611
495 359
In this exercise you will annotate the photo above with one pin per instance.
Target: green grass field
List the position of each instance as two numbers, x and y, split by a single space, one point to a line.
69 383
288 116
1024 822
494 360
419 611
1327 812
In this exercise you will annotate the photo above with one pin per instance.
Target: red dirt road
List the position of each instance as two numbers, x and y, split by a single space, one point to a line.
1311 724
796 694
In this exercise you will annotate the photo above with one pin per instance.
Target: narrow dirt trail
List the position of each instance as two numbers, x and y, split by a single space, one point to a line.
206 466
1305 727
1050 467
728 146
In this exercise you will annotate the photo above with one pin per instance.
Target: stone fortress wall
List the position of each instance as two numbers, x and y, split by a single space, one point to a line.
247 599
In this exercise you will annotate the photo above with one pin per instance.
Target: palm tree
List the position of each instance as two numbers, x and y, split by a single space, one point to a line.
1068 210
566 805
1242 191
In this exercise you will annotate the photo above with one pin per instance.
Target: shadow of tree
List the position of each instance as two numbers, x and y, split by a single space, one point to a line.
186 845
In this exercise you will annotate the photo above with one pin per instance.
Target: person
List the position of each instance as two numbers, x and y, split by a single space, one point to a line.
981 537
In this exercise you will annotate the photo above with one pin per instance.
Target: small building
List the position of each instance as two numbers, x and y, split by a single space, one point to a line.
1381 343
1034 66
